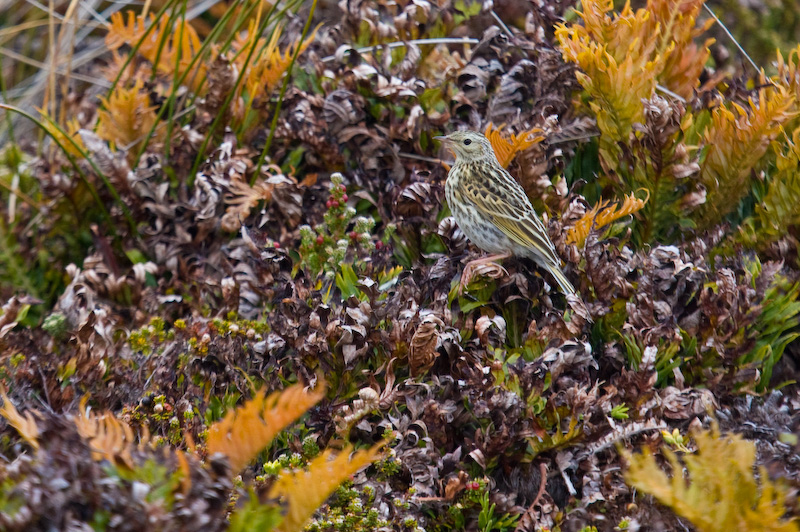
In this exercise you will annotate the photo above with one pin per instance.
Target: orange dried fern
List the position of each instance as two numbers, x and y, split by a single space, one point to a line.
507 147
676 24
715 487
735 141
603 214
25 425
267 64
242 198
244 432
169 47
623 56
305 490
127 117
789 74
108 437
620 64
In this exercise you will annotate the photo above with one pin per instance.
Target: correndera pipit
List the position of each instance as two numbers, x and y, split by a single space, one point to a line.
493 210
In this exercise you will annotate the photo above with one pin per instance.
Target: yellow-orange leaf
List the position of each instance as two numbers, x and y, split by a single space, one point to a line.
127 116
623 56
676 23
506 148
603 214
108 437
245 431
305 490
122 32
170 47
267 65
789 72
735 141
25 425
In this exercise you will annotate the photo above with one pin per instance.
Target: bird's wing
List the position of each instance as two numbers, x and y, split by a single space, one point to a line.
511 211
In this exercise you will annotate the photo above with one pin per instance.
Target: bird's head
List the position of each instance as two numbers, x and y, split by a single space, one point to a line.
468 145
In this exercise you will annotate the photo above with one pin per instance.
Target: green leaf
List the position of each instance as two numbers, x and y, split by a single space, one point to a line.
347 281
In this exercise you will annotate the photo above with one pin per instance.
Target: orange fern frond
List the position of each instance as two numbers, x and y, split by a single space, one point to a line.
506 148
735 141
186 472
267 65
789 71
245 431
242 198
25 425
116 65
620 66
127 117
624 55
676 23
108 437
170 47
121 32
305 490
603 214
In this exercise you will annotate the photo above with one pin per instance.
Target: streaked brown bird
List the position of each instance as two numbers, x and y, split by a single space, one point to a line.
493 210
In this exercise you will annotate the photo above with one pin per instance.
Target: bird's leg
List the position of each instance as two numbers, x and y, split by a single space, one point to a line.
466 275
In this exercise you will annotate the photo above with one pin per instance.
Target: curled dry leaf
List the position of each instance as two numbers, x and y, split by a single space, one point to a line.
492 270
448 228
424 345
686 404
346 418
485 324
415 200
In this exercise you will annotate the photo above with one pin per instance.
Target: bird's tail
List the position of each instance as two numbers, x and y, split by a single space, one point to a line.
573 299
562 280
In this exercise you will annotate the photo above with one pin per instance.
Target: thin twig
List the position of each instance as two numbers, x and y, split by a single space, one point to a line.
668 92
398 44
542 485
502 24
434 160
60 70
731 37
15 191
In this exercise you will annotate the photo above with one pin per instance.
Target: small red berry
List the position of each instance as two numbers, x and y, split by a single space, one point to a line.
378 245
334 204
344 198
276 245
353 235
342 188
320 240
328 204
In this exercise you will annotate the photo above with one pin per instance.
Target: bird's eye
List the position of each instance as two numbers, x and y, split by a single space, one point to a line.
467 142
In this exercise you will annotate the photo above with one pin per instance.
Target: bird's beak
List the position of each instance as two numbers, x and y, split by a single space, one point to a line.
441 138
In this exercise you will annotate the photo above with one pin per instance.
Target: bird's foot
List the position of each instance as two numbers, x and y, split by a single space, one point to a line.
469 269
